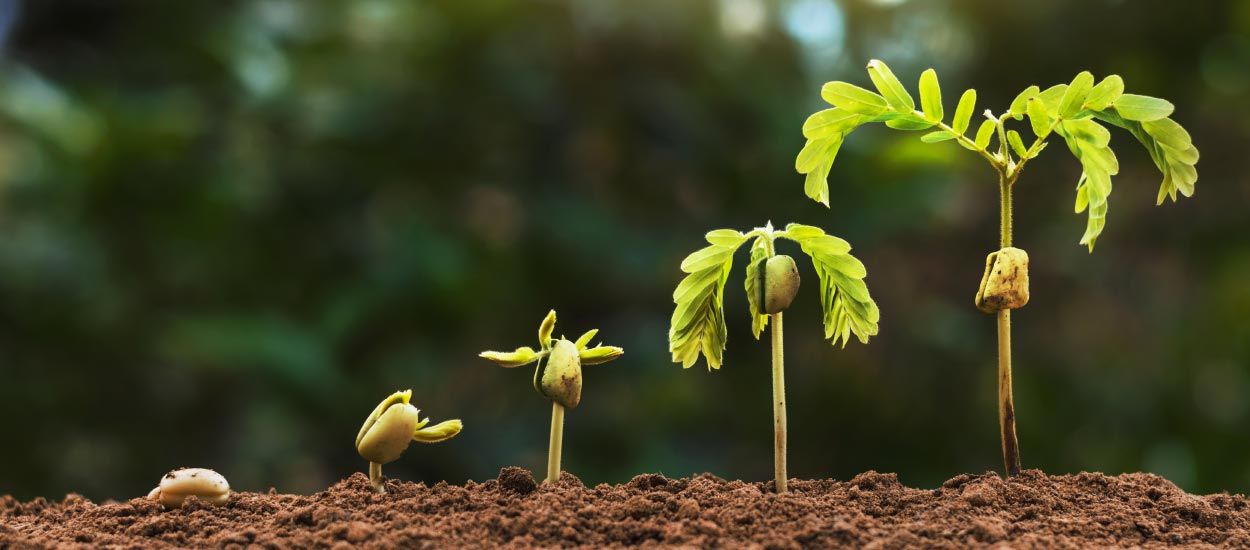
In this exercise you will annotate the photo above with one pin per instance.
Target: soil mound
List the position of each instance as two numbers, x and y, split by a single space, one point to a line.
873 509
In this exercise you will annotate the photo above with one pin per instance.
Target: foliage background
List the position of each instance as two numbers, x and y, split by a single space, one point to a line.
228 228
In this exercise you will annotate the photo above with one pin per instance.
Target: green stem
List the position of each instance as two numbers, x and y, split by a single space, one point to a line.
1006 403
375 477
779 406
556 443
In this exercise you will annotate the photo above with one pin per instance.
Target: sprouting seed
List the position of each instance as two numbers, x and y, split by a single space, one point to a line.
394 424
202 483
558 376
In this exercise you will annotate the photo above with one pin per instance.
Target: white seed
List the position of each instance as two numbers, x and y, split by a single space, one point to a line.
201 483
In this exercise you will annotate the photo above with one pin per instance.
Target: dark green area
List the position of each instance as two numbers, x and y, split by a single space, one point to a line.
227 229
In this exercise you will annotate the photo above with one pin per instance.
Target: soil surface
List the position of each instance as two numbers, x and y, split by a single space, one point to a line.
873 510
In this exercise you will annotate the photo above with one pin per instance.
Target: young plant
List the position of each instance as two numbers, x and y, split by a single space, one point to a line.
772 280
558 376
1076 112
394 424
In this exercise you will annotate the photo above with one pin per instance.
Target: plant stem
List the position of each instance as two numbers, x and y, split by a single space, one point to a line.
1006 404
557 442
375 477
779 406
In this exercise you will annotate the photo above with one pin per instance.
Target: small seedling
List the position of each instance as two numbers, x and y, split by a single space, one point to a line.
1075 112
204 484
394 424
558 376
772 280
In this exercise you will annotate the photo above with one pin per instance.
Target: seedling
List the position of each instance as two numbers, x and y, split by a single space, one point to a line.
1072 111
202 483
772 280
394 424
558 376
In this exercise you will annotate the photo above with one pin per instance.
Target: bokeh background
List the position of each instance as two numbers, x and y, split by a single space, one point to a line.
227 229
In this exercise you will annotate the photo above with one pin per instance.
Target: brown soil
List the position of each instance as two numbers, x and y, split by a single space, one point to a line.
873 510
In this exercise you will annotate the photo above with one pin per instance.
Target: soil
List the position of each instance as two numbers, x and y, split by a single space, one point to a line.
873 510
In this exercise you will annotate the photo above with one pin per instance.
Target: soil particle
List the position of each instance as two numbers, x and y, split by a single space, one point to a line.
872 510
517 480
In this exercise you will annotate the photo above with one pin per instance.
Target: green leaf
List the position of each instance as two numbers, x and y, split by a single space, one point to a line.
599 355
813 153
1075 95
963 111
1038 118
1021 101
724 237
853 98
889 86
1051 97
508 359
1017 144
830 122
1142 108
984 133
698 323
931 95
1167 132
937 137
816 184
1105 93
1177 166
754 286
1089 131
1088 140
847 306
546 328
584 339
815 160
909 122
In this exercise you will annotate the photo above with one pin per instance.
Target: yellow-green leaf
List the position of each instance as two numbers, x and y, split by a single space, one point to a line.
889 86
1038 117
963 111
1105 93
984 134
1075 95
1142 108
852 98
931 96
938 136
1019 104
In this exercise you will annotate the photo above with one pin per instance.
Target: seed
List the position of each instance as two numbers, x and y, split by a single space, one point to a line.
389 434
1005 284
781 283
562 378
201 483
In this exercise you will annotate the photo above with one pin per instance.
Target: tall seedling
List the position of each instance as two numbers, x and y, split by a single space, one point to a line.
1076 112
772 280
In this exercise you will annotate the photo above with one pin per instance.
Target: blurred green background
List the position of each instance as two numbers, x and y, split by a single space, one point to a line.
228 229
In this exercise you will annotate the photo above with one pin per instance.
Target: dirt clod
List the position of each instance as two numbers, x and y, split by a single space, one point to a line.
872 510
517 480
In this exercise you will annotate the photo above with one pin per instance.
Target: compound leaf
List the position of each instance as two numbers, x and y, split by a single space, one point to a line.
847 306
754 286
698 323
